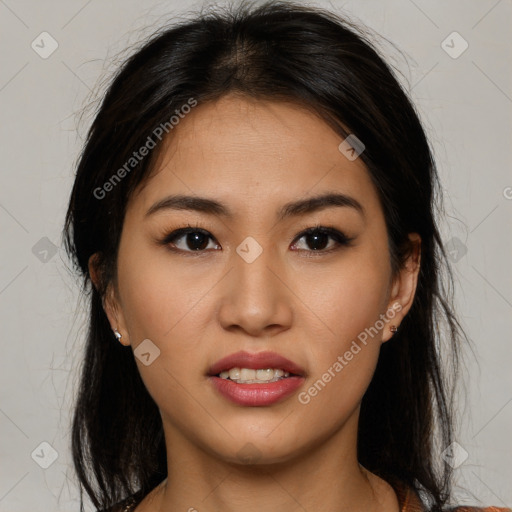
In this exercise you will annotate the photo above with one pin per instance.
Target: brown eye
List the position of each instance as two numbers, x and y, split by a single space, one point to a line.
191 239
317 239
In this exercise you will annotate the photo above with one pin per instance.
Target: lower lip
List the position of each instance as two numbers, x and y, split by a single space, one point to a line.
254 395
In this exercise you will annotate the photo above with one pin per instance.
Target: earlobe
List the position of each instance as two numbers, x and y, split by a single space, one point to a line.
115 318
394 318
109 301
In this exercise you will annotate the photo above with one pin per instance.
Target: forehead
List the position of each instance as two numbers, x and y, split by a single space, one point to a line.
250 153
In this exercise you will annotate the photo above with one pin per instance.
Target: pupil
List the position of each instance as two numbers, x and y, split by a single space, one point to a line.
199 242
323 238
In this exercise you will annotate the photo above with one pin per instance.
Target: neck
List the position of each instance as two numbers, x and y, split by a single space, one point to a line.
326 477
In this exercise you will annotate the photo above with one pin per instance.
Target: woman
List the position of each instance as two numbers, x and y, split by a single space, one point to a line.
254 209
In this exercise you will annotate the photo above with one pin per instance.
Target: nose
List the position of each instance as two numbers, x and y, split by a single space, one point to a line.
256 298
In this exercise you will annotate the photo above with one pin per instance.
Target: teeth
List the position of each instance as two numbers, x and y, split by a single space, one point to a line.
250 376
246 374
234 373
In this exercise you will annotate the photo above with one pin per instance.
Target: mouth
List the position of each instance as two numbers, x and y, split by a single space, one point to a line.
255 368
253 380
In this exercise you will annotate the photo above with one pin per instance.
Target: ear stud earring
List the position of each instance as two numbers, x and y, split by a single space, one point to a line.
117 334
393 329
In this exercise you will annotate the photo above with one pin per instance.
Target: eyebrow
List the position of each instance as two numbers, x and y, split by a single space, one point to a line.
291 209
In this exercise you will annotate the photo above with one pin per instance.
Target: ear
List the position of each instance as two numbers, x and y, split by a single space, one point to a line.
109 300
403 287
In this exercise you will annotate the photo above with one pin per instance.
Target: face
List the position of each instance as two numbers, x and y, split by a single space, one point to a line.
249 279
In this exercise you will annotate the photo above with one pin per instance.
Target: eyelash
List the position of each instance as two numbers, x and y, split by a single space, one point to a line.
339 237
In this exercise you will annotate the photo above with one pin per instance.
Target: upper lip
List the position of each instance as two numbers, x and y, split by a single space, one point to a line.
256 361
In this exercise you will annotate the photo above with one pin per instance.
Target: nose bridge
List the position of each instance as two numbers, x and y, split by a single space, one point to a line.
256 297
252 263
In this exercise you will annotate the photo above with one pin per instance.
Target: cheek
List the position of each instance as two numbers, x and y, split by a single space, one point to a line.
162 305
349 297
349 301
157 296
343 364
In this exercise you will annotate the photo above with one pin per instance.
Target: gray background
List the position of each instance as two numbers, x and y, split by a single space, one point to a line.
465 103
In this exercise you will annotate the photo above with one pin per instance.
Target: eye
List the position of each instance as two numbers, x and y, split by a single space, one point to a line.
192 239
195 239
317 238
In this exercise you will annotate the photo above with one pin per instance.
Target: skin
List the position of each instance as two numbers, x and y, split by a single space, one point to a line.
254 156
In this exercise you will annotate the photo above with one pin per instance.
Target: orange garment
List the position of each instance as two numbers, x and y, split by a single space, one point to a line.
408 501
